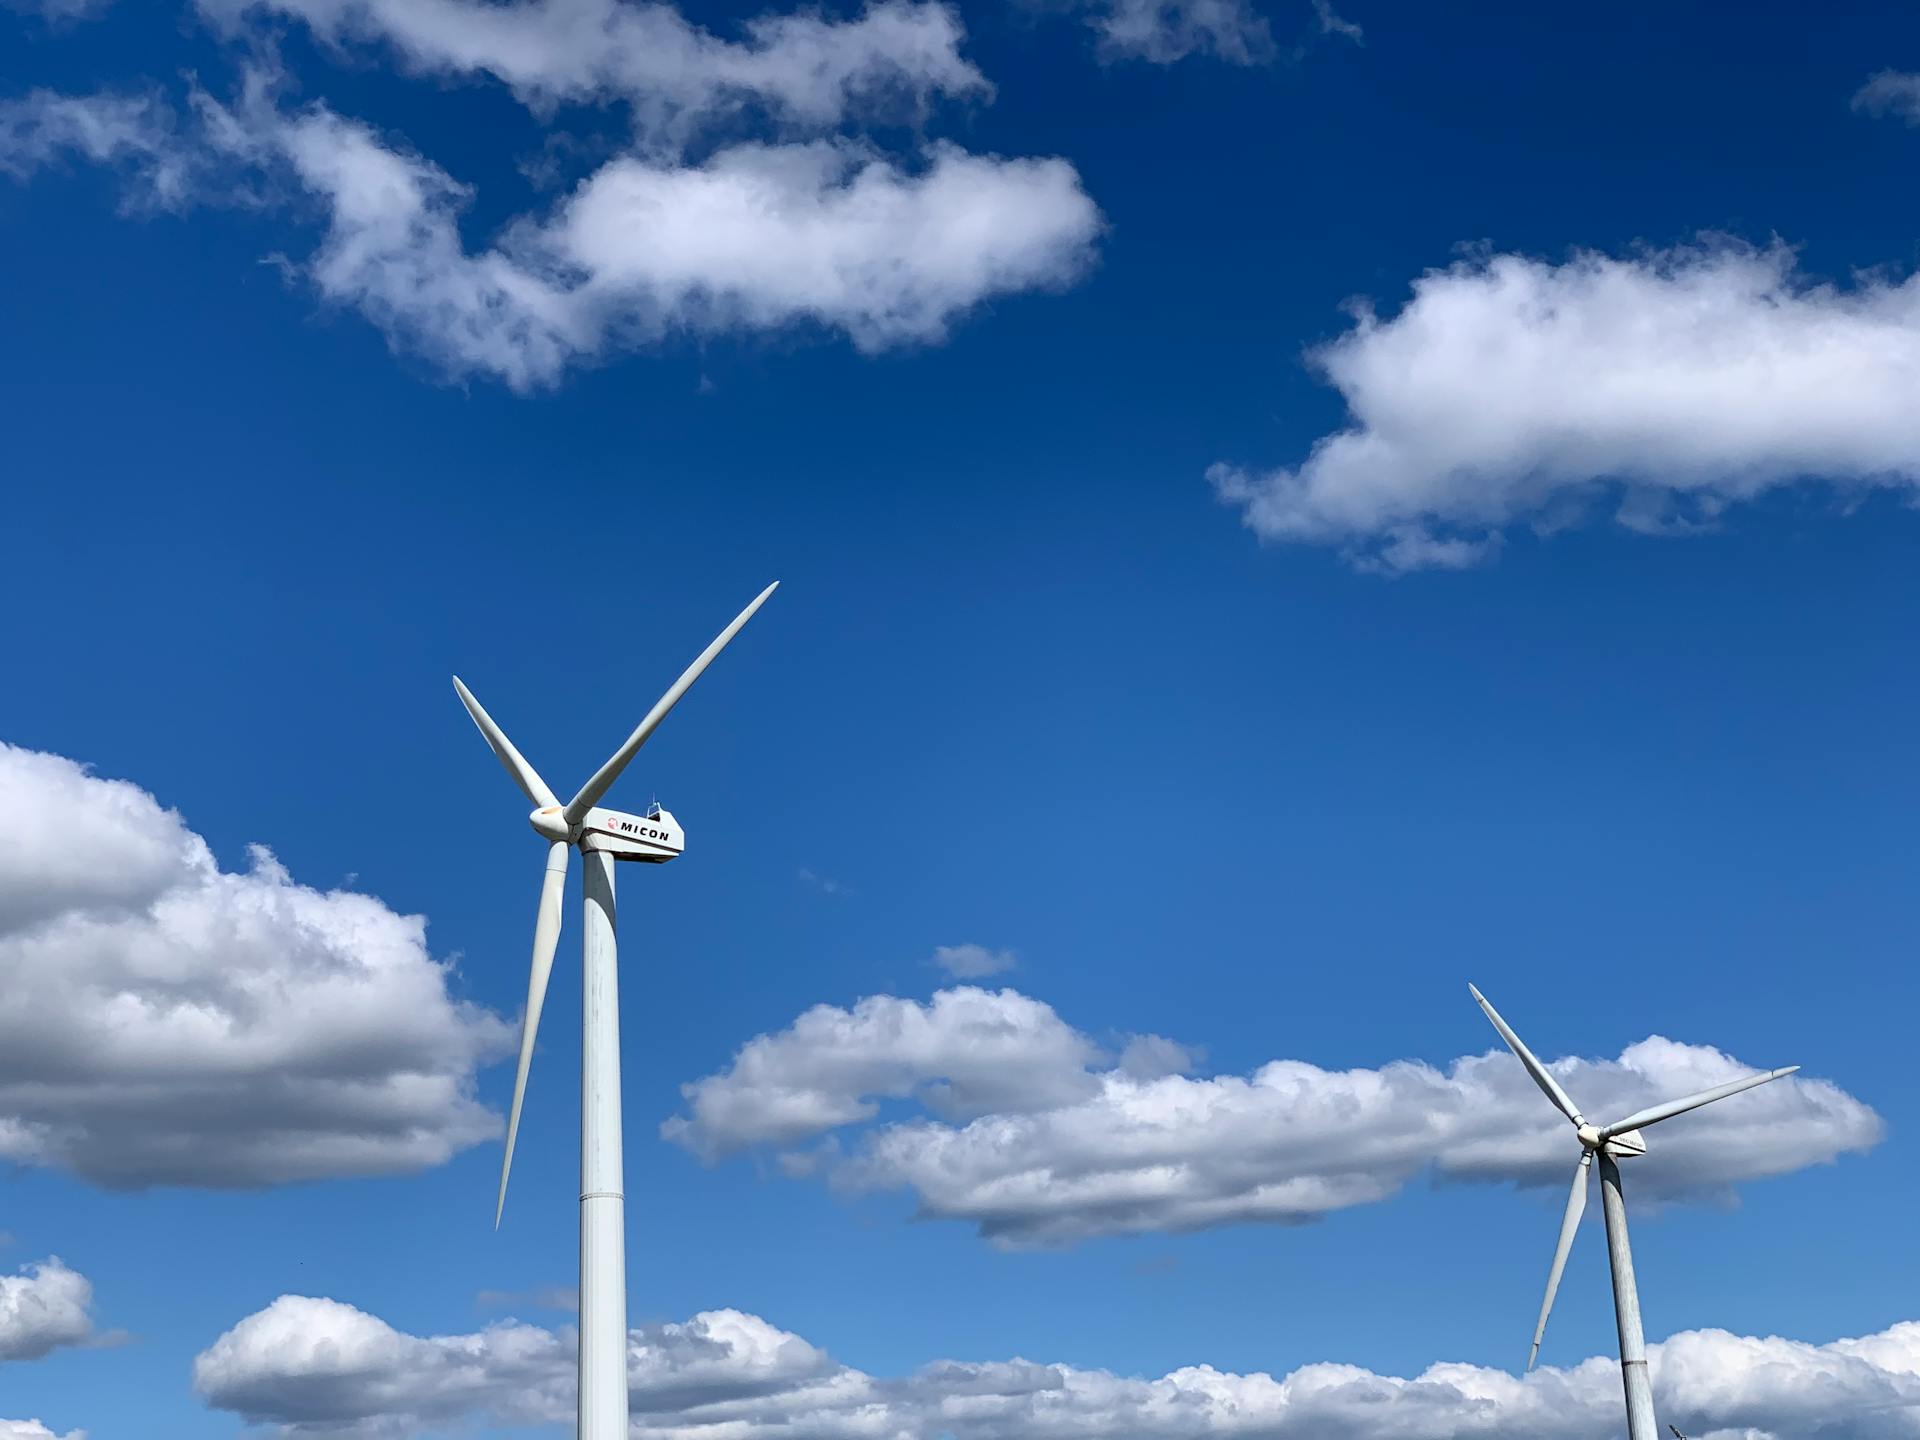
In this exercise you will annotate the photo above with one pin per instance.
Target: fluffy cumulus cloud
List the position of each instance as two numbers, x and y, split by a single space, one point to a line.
1662 387
34 1430
318 1367
42 1308
744 202
1027 1130
165 1021
965 1052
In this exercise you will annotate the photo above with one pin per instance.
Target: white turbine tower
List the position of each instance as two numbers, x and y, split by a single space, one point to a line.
603 837
1617 1141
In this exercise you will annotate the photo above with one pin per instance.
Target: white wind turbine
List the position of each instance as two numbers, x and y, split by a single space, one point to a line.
603 837
1620 1140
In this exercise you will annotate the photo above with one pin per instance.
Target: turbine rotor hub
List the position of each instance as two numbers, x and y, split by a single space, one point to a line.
1590 1137
550 822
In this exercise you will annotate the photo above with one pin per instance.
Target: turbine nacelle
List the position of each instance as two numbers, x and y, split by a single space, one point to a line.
655 836
1626 1145
1602 1140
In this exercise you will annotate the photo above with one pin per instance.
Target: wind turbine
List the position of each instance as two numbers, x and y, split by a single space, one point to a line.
1618 1141
603 836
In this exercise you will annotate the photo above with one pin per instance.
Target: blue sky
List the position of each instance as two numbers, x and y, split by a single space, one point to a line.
1580 669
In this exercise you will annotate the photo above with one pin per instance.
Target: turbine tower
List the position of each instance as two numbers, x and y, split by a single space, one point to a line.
603 836
1611 1143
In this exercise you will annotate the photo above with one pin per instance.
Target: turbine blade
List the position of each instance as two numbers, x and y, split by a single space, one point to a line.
1541 1077
1653 1115
546 934
604 777
1569 1226
524 775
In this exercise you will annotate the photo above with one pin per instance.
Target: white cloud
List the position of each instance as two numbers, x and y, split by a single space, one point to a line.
757 237
312 1366
56 13
1331 22
34 1430
1890 93
42 1308
315 1365
1164 31
167 1022
965 1052
137 134
973 962
323 1366
806 70
1670 385
1034 1136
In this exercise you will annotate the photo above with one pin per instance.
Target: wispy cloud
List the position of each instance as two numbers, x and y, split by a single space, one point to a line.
1891 92
1331 22
59 13
744 200
803 71
1163 31
973 962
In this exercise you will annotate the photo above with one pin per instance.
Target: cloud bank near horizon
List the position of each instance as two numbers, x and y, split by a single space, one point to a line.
1032 1132
305 1366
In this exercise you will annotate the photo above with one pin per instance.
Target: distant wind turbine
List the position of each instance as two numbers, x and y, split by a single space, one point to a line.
1620 1140
603 836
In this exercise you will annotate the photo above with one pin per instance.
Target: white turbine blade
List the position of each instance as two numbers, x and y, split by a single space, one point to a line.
524 775
591 792
546 934
1569 1226
1653 1115
1534 1068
